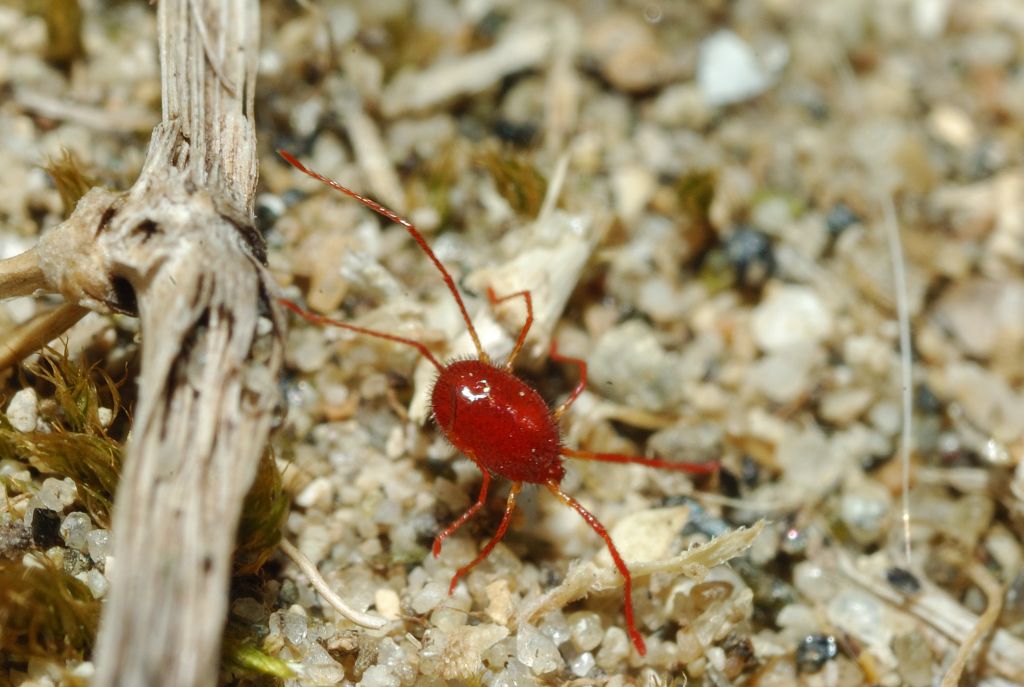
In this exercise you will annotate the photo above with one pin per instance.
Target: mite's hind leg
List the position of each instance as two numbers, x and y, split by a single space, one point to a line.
692 468
587 516
580 386
450 530
510 505
521 339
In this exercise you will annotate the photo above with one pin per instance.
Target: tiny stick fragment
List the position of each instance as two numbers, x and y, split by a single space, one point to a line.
20 275
694 562
994 595
317 581
37 332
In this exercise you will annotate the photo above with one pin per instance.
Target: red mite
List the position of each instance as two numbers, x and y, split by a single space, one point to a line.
497 420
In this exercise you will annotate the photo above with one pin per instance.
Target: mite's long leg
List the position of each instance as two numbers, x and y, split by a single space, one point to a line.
510 505
450 530
638 641
413 232
582 365
692 468
521 339
320 319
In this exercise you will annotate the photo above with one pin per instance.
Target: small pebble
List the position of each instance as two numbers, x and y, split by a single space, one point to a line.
629 365
379 676
843 406
537 651
647 535
615 648
248 610
751 254
914 659
499 601
728 71
582 664
98 545
105 416
794 541
23 410
319 668
397 660
556 627
790 315
953 126
784 376
864 509
515 674
458 655
75 562
587 630
74 529
317 494
427 599
886 417
628 54
839 218
97 583
388 604
57 494
862 615
15 537
632 187
739 655
813 581
983 315
294 627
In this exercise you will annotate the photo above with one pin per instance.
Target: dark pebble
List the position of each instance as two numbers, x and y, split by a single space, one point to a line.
46 528
903 580
752 257
839 218
518 134
814 652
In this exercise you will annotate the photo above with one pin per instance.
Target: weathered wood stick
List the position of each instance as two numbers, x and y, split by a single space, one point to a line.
180 249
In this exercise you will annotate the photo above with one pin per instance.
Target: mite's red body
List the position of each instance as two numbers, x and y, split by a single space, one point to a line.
497 420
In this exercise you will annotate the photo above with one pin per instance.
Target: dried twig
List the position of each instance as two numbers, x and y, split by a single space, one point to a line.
40 330
935 608
367 620
694 563
521 48
994 594
899 273
179 248
20 275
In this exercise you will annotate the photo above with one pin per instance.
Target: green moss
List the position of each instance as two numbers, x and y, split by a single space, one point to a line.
78 445
695 192
63 20
432 184
44 613
259 532
263 516
716 273
244 663
47 614
515 177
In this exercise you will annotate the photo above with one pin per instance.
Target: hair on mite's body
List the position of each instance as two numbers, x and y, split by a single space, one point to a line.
496 419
